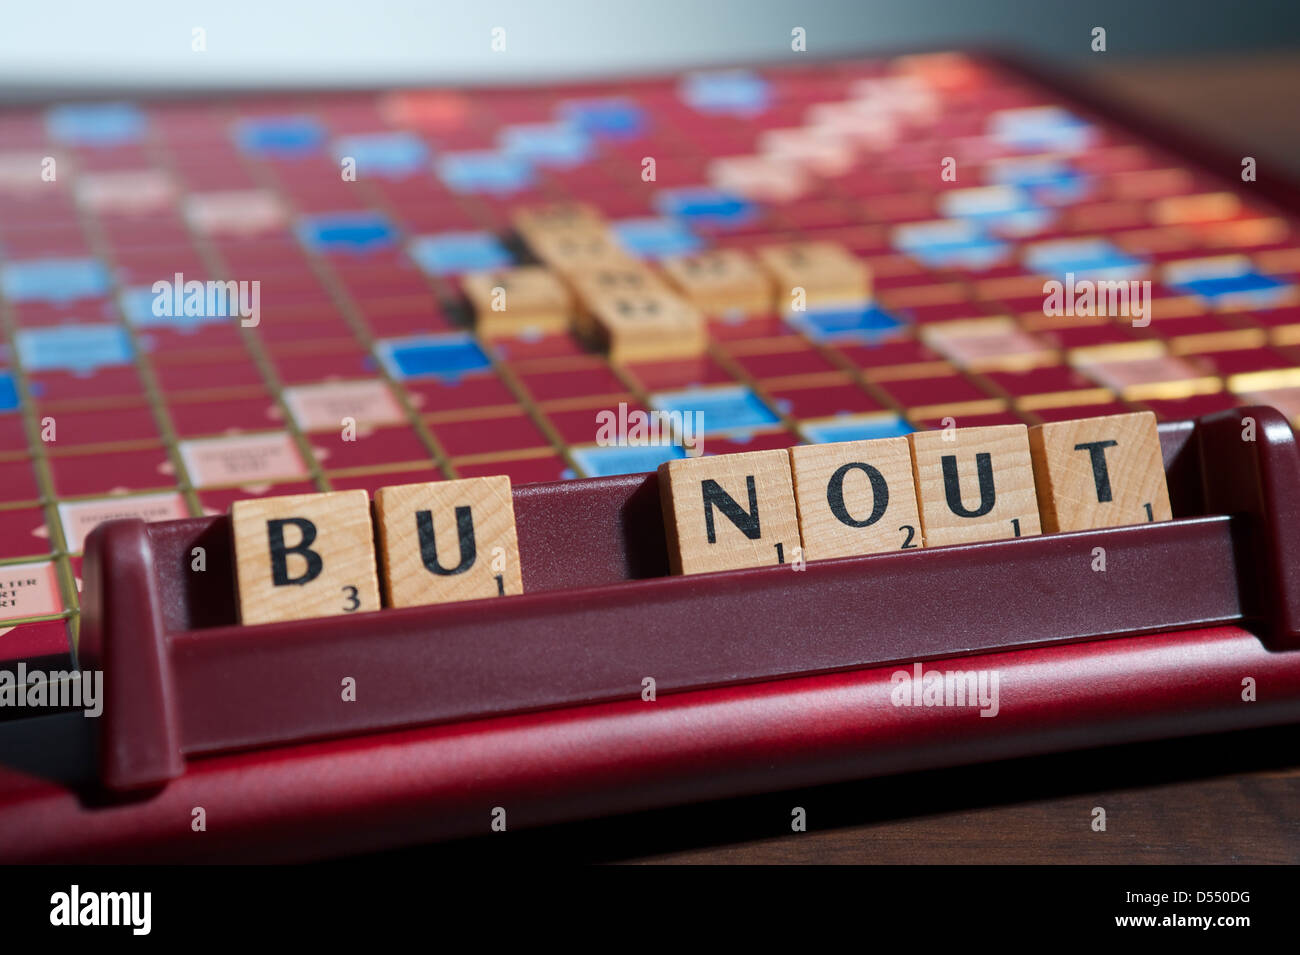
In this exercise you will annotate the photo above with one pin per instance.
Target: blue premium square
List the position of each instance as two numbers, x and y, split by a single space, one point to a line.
1008 210
1243 287
1041 129
1085 258
75 348
652 238
488 171
726 92
96 124
138 307
705 205
347 232
280 137
855 428
388 155
8 392
1046 178
864 323
950 243
614 460
447 357
56 281
561 145
731 409
450 253
609 118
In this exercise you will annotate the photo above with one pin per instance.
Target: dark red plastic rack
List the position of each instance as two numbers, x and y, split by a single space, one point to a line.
183 679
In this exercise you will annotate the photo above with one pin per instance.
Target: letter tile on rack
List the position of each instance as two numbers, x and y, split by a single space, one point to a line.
305 555
855 497
448 540
728 511
974 484
1099 472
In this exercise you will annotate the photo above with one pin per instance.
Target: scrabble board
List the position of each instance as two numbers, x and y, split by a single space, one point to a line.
365 355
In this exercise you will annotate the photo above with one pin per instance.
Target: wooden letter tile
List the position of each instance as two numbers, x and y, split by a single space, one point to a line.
855 497
1099 472
532 221
827 272
305 555
571 250
728 511
974 484
507 301
614 278
448 540
645 326
721 281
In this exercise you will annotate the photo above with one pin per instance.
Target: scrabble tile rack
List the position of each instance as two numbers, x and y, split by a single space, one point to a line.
767 678
183 680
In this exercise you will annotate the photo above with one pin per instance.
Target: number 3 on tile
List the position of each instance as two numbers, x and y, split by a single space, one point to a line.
354 601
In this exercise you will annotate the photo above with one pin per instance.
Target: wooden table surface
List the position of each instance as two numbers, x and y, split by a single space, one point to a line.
1251 105
1225 799
1229 798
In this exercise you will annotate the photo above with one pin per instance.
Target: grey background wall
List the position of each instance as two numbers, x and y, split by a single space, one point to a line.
76 43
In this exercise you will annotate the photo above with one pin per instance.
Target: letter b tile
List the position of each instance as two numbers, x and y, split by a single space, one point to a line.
305 555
